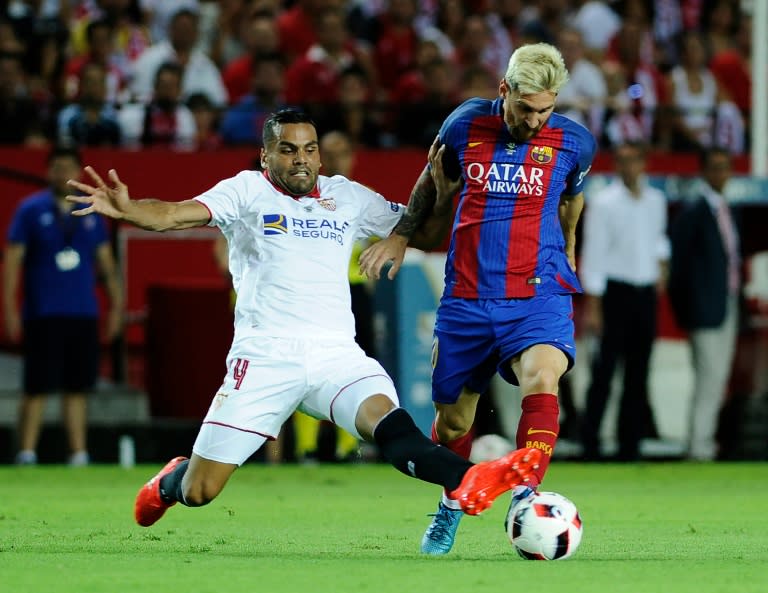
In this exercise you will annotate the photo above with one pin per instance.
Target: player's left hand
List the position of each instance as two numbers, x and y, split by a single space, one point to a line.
446 188
391 249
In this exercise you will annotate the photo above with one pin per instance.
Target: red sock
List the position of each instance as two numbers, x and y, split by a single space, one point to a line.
461 446
538 428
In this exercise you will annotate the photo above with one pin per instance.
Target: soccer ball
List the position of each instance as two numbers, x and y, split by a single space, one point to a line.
545 526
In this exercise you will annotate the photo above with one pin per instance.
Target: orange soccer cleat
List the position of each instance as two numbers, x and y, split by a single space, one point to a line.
485 481
149 506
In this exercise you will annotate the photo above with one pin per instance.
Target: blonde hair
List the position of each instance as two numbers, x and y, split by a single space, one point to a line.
536 68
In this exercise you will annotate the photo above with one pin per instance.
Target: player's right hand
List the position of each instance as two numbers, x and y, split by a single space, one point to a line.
109 201
373 259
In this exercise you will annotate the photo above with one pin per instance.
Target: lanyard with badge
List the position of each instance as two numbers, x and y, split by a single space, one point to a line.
67 259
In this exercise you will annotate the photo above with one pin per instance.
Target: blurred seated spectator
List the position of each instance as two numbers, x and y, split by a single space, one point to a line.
701 116
201 75
719 24
476 48
731 67
410 86
478 82
312 80
355 114
39 26
207 117
632 50
597 22
226 39
91 120
130 36
544 21
419 121
621 124
259 38
297 27
242 123
163 122
582 98
20 118
157 14
395 40
100 40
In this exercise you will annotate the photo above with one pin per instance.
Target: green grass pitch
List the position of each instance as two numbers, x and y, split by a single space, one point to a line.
648 528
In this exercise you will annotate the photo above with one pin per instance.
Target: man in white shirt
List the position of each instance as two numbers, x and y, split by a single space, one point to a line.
290 233
623 267
201 75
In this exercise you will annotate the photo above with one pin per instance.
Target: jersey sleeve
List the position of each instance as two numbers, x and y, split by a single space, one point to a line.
586 147
18 231
378 215
228 200
452 130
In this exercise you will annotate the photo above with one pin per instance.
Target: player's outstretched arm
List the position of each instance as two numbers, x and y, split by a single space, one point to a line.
115 202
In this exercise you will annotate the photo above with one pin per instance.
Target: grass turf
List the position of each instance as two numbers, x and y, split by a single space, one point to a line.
677 527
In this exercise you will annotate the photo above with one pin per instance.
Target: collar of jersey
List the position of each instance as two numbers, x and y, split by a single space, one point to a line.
315 193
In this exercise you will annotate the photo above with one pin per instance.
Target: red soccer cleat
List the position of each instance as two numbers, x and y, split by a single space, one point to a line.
483 482
149 507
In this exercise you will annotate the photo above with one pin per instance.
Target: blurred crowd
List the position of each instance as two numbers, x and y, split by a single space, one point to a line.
200 74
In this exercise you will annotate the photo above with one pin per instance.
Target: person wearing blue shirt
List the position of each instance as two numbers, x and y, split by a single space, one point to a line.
52 257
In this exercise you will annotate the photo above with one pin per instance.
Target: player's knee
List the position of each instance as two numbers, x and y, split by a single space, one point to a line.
542 380
450 427
201 492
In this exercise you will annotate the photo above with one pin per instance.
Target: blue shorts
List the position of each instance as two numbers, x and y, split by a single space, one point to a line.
475 338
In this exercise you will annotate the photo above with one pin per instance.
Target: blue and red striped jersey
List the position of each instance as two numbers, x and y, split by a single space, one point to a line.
507 241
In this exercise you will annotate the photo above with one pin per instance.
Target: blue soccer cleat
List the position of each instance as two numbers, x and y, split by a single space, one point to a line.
439 537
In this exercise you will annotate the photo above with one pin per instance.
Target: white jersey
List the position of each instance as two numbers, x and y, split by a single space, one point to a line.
289 257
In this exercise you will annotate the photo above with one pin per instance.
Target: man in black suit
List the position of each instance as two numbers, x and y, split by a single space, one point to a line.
704 287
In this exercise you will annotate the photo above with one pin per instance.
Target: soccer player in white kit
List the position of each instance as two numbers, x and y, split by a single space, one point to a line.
290 233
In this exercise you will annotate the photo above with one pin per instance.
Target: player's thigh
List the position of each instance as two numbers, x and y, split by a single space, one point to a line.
539 369
265 382
458 416
342 379
462 350
522 324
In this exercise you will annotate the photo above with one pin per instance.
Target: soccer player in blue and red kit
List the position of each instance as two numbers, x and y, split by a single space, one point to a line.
510 269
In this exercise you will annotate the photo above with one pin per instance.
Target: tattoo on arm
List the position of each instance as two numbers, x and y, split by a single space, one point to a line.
420 206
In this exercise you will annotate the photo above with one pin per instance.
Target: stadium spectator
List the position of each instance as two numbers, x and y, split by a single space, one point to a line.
701 114
302 323
57 255
165 121
91 120
312 80
719 25
511 264
206 116
130 36
259 39
582 98
624 263
157 15
20 117
705 288
201 75
597 22
242 123
418 120
100 43
355 114
395 41
731 68
297 27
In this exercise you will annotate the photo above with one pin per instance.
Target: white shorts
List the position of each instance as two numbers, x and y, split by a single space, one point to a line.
270 378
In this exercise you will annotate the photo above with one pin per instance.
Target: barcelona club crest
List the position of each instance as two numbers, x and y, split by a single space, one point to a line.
541 154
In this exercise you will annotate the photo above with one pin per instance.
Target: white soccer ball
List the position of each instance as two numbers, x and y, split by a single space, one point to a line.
545 526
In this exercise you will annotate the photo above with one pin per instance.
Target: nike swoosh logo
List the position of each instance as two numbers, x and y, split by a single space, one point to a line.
473 144
537 431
